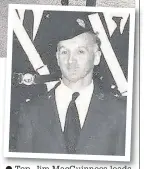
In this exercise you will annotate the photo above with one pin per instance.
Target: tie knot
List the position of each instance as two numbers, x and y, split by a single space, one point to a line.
75 96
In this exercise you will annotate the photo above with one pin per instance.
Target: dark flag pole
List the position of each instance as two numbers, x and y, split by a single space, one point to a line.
91 3
65 2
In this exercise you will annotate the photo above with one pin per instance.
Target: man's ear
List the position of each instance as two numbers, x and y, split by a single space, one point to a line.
97 54
57 57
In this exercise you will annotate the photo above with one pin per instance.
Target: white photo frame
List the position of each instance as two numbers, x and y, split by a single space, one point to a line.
119 11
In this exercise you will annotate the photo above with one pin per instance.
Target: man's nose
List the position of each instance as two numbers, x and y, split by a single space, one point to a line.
71 58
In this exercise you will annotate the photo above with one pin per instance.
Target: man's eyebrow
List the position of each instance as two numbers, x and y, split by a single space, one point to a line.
59 47
83 47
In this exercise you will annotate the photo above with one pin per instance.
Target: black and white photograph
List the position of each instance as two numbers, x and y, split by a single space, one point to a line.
69 82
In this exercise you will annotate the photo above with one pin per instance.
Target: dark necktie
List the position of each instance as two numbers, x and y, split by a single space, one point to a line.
72 126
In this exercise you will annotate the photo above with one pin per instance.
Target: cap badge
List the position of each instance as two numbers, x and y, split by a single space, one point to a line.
81 22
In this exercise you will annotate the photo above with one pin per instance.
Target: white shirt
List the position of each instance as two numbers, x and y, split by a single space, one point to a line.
64 96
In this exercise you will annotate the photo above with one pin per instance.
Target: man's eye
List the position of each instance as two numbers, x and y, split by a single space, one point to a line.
64 52
81 51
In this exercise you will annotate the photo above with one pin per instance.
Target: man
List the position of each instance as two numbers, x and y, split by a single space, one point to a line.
76 117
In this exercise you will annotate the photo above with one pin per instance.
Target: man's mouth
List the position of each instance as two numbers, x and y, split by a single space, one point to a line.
72 67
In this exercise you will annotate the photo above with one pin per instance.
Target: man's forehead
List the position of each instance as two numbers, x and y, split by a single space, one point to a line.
84 38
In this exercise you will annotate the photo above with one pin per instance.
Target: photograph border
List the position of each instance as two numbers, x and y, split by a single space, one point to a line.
127 156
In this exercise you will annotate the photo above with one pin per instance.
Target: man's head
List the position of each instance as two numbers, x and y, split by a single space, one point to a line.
77 56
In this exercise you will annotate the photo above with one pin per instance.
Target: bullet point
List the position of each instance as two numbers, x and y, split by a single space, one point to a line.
8 167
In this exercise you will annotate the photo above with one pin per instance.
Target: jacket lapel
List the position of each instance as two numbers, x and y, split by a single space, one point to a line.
51 122
93 122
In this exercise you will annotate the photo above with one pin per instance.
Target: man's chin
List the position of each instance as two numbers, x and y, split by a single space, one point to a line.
73 79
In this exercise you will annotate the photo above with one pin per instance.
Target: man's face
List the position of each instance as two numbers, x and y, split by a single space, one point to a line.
77 56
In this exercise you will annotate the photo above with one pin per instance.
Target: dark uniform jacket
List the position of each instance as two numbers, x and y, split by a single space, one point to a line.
103 132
